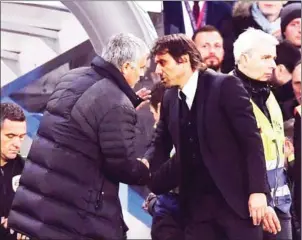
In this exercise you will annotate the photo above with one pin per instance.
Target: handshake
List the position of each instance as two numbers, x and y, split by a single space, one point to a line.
4 225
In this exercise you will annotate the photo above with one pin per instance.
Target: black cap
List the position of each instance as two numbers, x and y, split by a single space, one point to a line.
288 55
289 13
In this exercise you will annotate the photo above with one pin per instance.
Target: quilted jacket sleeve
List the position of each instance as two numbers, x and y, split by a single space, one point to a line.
117 141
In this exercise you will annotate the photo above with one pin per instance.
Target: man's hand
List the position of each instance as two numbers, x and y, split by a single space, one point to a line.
21 237
257 207
144 161
271 222
144 94
4 222
145 205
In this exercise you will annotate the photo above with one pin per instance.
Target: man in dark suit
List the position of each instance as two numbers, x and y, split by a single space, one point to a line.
219 163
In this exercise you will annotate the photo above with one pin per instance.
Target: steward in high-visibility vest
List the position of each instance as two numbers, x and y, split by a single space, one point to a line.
270 123
272 134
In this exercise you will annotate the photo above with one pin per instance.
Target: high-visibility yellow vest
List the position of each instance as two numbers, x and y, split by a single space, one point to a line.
273 139
272 134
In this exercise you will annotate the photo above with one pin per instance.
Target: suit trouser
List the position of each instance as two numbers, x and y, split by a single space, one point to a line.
215 220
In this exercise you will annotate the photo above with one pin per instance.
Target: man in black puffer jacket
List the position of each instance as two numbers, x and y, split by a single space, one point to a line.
84 148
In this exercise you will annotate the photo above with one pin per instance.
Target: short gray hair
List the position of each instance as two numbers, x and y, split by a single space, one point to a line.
124 47
249 40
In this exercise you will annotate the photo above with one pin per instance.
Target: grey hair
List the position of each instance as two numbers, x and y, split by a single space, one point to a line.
250 40
124 47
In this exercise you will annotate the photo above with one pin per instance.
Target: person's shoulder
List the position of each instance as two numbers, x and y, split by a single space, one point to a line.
81 73
214 78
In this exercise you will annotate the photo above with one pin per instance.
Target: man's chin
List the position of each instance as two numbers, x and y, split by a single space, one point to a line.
214 67
11 156
165 83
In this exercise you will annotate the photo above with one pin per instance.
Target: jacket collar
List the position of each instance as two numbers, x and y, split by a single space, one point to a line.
108 70
254 87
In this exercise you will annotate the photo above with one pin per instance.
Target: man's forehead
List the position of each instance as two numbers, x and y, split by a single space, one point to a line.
161 56
266 49
296 20
143 61
209 36
17 127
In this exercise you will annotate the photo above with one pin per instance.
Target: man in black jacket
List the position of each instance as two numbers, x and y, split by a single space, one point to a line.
219 163
13 131
84 148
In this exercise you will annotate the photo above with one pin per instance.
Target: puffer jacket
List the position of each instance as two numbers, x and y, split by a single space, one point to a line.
83 149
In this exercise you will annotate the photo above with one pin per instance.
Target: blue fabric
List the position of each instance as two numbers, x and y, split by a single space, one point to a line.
271 175
166 204
283 203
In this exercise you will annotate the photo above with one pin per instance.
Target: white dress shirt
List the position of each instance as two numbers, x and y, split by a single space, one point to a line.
189 89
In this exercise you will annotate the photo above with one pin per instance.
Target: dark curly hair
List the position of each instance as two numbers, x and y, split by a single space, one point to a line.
178 45
11 111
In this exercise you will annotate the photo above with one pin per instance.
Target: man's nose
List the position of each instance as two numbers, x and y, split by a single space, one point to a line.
273 64
158 69
17 142
211 50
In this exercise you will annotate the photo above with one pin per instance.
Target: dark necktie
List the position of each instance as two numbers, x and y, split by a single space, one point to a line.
184 109
196 10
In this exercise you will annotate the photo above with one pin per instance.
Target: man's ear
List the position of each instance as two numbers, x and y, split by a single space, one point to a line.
243 59
125 68
278 70
184 59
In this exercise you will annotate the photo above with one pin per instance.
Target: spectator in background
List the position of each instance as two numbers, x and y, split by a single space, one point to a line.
263 15
209 42
13 131
287 57
254 66
291 23
84 148
297 148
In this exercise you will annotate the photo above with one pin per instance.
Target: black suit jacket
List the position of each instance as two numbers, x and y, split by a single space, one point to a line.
230 142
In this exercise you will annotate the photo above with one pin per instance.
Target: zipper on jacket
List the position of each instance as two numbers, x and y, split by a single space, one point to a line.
276 172
99 199
4 187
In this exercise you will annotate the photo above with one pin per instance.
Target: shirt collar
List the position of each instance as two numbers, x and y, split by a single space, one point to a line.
190 87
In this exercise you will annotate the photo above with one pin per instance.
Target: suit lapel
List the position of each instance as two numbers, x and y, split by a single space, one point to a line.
174 127
200 100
